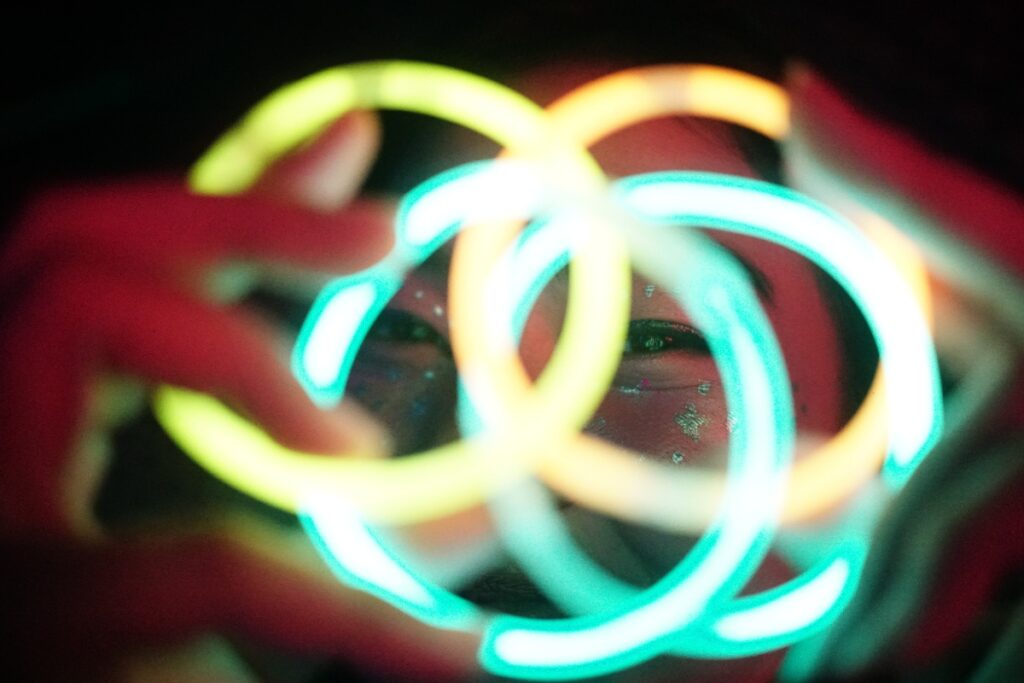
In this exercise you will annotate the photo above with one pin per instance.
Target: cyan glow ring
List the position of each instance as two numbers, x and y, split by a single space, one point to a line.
532 529
393 491
726 308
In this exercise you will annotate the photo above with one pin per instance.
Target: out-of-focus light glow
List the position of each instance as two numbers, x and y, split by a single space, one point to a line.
795 611
726 307
297 112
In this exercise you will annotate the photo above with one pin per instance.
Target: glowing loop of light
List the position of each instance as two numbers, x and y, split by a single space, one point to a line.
767 212
730 630
726 308
568 390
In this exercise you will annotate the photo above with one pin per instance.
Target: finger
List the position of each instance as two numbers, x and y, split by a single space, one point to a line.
895 174
265 585
327 173
78 320
323 175
158 224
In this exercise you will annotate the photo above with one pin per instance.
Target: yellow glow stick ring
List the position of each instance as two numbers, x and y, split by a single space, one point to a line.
449 478
609 478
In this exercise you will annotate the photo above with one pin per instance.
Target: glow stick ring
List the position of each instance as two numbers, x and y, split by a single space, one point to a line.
393 491
743 627
718 294
531 528
809 602
586 115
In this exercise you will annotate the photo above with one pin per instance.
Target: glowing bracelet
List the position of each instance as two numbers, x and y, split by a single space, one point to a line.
576 583
448 478
532 529
718 295
747 625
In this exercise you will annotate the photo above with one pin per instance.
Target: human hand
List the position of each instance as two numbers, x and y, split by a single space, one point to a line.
126 280
930 605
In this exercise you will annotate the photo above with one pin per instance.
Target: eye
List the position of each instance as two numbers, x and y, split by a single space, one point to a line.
403 327
650 336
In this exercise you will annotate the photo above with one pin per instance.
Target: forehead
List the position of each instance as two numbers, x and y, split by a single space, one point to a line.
797 308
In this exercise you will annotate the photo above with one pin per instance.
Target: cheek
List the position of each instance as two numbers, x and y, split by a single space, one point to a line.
810 346
543 325
677 427
806 332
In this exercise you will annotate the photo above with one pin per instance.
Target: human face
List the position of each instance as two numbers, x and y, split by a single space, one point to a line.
666 402
665 367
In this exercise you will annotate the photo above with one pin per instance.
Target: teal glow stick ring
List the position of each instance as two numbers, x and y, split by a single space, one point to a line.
241 454
526 517
723 304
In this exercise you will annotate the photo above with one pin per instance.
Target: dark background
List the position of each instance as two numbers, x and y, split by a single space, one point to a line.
91 93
